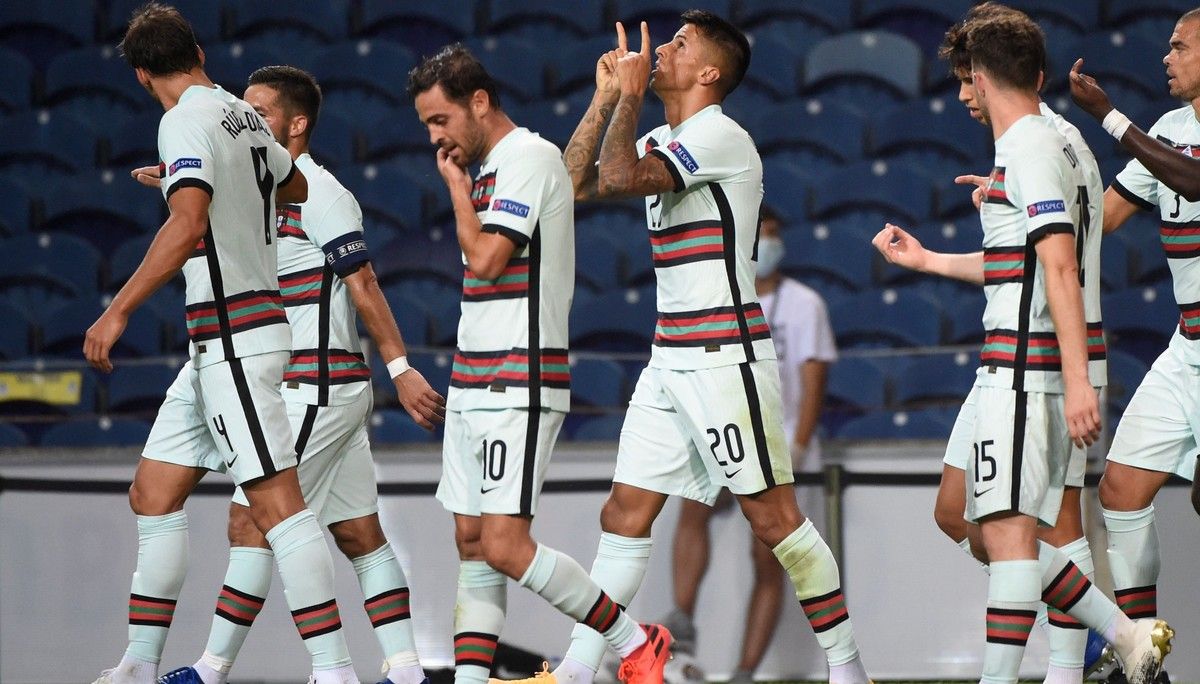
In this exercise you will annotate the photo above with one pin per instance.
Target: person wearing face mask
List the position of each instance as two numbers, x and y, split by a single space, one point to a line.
804 345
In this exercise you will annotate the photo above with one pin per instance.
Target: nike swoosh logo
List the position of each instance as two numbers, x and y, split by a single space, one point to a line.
979 494
489 489
730 475
229 464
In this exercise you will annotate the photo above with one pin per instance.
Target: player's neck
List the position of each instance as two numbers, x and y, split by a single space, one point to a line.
170 88
680 107
1005 109
498 126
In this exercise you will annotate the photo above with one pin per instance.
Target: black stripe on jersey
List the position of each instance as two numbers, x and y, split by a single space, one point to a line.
1018 448
251 414
189 183
729 238
1131 196
756 423
518 238
218 288
286 179
1165 229
535 370
1021 355
679 184
307 298
323 312
1037 234
310 417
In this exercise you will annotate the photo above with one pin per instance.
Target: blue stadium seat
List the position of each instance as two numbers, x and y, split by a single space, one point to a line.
554 120
855 386
775 65
416 258
531 17
614 321
442 300
336 142
97 76
939 380
424 27
41 30
102 432
937 124
965 319
662 15
893 317
598 262
1119 60
952 237
818 255
922 21
916 424
60 264
49 142
390 426
387 194
1147 260
16 82
12 436
575 70
206 17
1153 27
1118 13
72 393
133 143
598 382
1140 320
63 330
896 190
830 15
412 316
286 20
515 64
1062 49
374 69
603 428
16 211
103 213
830 132
401 136
885 61
1080 17
16 334
230 64
139 389
1114 262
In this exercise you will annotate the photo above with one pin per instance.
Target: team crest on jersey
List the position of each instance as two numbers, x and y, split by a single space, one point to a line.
683 156
511 207
183 163
481 192
1046 207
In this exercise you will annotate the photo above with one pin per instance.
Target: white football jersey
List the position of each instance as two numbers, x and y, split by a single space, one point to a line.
320 241
1033 192
518 321
1179 223
703 238
213 141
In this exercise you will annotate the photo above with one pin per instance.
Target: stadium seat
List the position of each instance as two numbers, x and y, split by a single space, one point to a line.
819 255
515 64
12 436
40 30
937 124
206 17
603 428
830 132
424 27
444 304
855 386
1120 60
230 64
377 69
896 190
1080 17
390 426
940 380
662 15
16 82
893 317
96 76
404 135
55 394
621 320
598 262
336 142
1118 13
922 21
775 66
49 142
1147 260
529 18
575 71
412 316
883 60
16 212
63 331
284 20
103 213
414 257
140 388
830 15
1140 320
63 265
92 432
436 367
915 424
1114 262
387 195
16 335
965 319
598 382
133 143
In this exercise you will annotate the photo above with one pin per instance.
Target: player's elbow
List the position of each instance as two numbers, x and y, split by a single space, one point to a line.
295 191
486 267
1191 192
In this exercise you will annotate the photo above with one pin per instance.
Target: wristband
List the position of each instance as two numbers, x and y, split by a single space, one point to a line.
1116 124
397 366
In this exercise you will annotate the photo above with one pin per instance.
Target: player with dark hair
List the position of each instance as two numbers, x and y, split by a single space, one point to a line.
706 413
325 277
510 386
222 174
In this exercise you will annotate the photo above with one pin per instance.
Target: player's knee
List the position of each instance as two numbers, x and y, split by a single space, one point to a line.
469 545
502 554
149 501
242 530
356 540
616 518
771 530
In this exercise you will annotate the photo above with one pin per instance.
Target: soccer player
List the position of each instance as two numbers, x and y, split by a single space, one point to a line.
222 173
1034 381
325 277
1158 433
509 388
706 413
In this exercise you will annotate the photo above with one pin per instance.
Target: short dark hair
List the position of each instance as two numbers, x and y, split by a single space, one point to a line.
1010 47
1189 15
298 90
729 40
954 45
160 41
457 71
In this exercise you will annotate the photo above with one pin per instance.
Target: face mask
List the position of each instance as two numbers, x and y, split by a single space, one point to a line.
770 253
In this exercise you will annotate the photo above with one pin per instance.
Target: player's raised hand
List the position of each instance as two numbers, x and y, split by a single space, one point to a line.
101 337
1088 94
455 176
633 68
1082 408
426 406
900 248
980 183
150 176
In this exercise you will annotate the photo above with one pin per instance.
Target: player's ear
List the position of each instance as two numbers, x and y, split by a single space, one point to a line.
200 54
298 126
709 75
481 102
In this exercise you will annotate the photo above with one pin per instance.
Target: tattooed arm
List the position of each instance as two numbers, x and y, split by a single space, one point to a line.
583 149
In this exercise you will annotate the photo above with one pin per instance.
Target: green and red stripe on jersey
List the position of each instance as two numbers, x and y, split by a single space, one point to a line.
1189 320
509 368
709 326
1065 590
1009 625
238 607
603 614
475 648
316 620
826 611
246 311
1003 265
302 287
344 367
150 611
1138 602
388 607
512 283
1042 353
994 192
482 191
288 224
1180 240
687 243
1096 346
